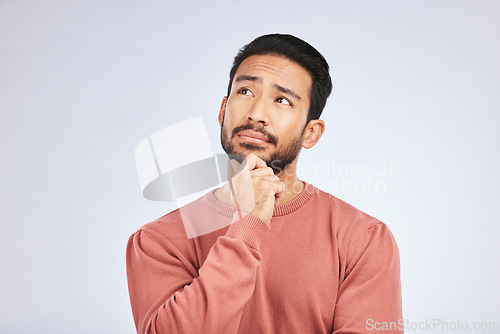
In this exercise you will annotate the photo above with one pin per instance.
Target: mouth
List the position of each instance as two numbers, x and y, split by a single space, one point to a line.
253 137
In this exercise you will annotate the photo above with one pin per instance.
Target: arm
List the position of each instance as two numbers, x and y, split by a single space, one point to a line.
168 295
370 294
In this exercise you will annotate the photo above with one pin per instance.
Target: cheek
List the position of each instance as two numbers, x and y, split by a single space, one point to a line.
291 134
229 123
234 116
286 126
226 127
227 116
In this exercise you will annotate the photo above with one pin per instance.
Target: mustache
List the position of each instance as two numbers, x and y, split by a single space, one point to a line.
272 138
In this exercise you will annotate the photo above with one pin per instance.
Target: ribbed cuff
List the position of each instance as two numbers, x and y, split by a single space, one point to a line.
249 228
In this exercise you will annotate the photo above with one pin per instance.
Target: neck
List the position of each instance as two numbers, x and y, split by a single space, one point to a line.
293 186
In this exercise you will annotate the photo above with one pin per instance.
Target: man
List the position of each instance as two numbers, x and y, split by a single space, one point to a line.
295 259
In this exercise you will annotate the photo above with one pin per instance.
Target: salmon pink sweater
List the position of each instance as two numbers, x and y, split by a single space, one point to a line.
321 266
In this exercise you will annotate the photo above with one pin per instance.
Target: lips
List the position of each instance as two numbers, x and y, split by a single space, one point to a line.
253 136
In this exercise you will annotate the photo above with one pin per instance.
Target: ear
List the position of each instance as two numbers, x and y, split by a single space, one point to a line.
222 110
312 133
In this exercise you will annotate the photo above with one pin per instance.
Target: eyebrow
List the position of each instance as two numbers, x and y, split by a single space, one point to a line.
287 91
248 78
278 87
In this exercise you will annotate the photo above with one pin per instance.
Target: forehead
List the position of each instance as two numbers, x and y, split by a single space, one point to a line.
277 70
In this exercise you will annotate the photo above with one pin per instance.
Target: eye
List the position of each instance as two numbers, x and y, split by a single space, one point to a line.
245 91
284 101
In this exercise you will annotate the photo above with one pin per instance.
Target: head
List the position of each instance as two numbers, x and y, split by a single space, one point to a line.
297 51
277 90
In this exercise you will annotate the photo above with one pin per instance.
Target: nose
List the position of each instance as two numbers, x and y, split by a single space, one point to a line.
258 112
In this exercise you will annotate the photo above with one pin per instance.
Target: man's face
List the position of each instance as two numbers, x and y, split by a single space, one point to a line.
266 110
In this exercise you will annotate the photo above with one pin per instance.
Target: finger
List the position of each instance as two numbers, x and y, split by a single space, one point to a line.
259 163
252 162
269 178
263 171
279 190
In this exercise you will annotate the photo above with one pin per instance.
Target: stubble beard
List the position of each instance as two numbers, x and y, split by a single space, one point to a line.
278 160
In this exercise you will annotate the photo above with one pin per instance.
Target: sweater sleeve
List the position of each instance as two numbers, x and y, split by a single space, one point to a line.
369 297
169 296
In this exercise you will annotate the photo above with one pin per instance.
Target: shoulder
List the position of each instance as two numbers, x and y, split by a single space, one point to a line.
341 213
163 239
165 228
159 237
352 227
363 241
169 228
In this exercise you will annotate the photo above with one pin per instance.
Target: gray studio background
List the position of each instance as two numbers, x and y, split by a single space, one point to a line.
411 138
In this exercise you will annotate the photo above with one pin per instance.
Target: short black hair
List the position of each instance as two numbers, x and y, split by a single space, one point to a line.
298 51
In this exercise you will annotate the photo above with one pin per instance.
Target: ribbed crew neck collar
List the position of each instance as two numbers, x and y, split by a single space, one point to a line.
279 210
